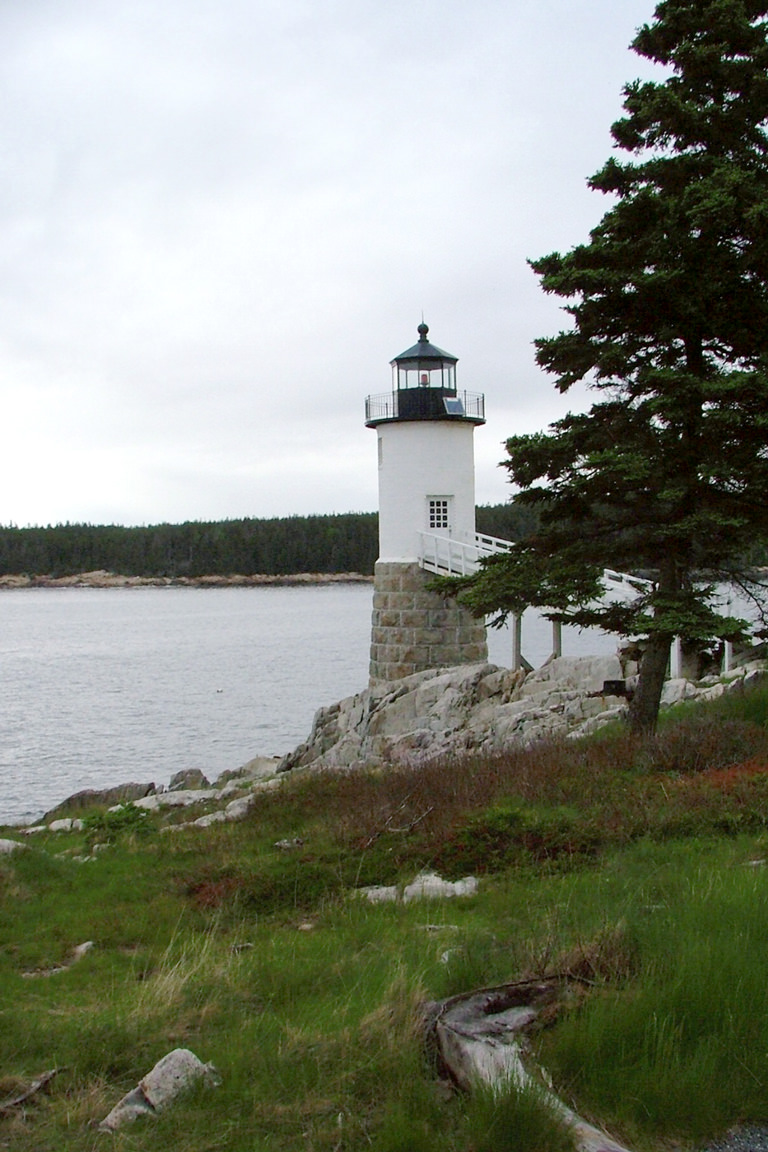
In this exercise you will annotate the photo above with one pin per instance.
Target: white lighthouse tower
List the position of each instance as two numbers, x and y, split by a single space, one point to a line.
425 431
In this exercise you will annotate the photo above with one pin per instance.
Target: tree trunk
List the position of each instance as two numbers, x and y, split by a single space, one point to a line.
644 706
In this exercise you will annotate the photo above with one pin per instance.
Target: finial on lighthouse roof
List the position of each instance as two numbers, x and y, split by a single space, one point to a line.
423 350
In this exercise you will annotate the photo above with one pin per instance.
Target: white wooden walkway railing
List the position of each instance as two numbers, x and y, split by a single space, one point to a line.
449 557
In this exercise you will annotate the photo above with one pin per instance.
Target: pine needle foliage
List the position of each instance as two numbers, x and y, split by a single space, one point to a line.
668 470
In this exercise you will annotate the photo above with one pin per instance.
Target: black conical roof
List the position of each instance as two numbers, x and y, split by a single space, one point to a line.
424 350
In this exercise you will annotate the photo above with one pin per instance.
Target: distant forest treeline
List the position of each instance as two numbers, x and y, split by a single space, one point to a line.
277 547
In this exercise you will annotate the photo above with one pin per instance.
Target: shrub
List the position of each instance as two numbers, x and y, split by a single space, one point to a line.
109 826
505 834
701 741
271 888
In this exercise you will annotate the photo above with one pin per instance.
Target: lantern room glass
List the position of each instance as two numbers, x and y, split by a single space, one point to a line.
424 374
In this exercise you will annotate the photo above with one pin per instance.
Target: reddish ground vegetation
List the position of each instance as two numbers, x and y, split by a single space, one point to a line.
213 893
724 778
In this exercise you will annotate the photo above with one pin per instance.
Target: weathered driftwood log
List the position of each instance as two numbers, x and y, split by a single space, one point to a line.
76 954
479 1039
21 1097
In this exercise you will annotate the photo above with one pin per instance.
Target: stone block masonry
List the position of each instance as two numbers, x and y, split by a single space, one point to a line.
414 629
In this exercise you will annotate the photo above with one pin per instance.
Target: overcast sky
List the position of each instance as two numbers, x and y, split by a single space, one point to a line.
221 219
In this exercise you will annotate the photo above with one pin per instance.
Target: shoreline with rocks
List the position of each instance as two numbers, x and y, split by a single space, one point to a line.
100 578
481 709
475 709
229 797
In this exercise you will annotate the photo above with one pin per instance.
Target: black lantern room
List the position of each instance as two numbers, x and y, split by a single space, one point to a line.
424 388
425 366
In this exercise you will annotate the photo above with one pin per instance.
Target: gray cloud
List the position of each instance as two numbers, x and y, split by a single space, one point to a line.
220 220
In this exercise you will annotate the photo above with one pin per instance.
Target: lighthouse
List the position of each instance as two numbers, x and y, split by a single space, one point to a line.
425 432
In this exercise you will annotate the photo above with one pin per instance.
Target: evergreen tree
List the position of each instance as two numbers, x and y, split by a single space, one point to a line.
668 471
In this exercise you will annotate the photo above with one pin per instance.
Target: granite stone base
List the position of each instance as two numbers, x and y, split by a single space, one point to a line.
414 629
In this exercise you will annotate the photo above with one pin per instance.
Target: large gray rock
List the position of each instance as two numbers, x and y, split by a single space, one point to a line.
180 799
188 778
426 886
66 825
259 768
93 797
469 708
170 1077
479 708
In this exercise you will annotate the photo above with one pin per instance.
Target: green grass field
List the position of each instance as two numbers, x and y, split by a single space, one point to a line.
644 860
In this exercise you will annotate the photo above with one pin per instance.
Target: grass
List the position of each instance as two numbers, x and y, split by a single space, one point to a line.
630 865
683 1047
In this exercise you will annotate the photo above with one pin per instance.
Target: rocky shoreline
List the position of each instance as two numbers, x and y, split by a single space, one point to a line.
480 709
103 579
228 798
463 711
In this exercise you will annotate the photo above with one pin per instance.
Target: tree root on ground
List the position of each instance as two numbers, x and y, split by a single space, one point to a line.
479 1038
7 1105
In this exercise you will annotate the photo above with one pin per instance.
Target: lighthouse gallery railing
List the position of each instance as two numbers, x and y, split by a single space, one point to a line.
387 405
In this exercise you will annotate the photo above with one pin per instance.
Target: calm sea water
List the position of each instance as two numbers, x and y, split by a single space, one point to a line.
102 686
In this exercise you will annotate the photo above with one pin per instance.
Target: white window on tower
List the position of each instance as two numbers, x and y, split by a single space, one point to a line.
437 508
